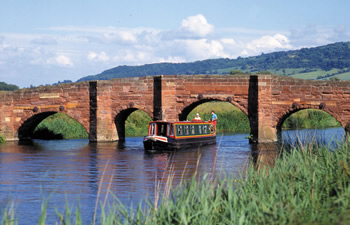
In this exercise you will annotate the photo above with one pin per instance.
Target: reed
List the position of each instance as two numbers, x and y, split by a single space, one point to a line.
305 186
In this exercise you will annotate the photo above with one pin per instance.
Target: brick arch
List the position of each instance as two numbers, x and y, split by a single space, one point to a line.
187 109
280 120
29 123
26 129
120 118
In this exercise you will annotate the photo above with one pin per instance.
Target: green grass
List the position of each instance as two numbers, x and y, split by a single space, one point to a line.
137 123
314 74
60 126
2 139
344 76
230 118
310 118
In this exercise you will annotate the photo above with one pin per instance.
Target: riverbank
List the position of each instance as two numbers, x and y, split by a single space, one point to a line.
304 186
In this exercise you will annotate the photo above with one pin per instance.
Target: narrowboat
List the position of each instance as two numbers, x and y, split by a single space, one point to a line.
163 135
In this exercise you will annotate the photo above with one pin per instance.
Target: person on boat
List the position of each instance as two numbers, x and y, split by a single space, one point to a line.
214 119
197 118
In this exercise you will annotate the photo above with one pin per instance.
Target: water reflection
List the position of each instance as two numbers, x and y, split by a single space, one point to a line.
84 172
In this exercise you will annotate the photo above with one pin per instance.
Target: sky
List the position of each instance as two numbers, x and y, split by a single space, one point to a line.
46 41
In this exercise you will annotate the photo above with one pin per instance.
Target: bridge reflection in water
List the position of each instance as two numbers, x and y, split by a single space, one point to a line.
83 172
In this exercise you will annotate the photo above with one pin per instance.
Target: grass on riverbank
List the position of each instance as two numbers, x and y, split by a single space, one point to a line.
2 139
230 118
310 118
303 187
60 126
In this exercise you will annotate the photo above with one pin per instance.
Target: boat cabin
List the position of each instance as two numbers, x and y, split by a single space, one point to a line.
173 135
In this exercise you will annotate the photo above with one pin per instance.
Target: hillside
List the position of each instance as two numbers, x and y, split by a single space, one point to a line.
322 62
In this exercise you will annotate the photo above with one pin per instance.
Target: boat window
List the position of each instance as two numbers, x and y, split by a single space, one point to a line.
192 129
152 129
172 130
168 130
161 130
186 130
179 130
200 129
205 129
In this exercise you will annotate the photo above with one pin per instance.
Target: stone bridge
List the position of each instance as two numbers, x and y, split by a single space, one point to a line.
103 106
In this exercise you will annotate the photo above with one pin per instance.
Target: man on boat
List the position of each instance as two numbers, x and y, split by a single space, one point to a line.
197 118
214 119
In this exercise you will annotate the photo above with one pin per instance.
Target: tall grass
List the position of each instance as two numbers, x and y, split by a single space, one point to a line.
305 186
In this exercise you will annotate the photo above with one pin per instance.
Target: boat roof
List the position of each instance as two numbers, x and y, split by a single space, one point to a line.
181 122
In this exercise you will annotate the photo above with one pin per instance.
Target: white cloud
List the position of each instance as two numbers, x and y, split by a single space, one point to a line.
203 49
268 44
98 57
196 25
60 60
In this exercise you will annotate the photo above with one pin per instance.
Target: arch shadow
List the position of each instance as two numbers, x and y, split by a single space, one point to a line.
28 131
25 131
120 119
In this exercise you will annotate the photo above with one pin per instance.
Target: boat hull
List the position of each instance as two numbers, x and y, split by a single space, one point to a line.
176 144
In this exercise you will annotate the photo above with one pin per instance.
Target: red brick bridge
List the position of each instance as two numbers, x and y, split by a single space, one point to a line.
103 106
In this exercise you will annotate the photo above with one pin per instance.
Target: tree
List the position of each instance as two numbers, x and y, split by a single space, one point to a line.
334 79
8 87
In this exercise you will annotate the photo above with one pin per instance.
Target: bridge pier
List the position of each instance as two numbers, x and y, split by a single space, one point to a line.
260 110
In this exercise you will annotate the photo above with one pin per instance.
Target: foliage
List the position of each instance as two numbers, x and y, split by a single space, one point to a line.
334 79
8 87
60 126
2 139
236 72
230 118
310 118
137 123
305 60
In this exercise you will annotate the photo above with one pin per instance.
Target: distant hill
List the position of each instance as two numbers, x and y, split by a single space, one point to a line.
316 63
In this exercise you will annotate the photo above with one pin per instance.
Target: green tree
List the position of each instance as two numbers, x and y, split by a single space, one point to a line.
8 87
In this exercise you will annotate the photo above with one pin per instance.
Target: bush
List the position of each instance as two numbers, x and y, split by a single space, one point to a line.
2 139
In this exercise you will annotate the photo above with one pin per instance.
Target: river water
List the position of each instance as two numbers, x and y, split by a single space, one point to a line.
81 173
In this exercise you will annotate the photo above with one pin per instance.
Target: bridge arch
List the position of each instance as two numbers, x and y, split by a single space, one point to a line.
120 119
289 112
26 129
187 109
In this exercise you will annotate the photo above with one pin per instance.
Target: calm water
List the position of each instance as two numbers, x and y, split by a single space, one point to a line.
77 171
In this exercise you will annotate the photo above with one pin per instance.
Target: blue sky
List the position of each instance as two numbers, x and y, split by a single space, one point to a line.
42 41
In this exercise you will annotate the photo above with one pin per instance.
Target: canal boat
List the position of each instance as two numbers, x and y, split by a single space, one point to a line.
163 135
